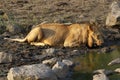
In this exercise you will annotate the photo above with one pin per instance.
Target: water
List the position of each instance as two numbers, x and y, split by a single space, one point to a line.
93 61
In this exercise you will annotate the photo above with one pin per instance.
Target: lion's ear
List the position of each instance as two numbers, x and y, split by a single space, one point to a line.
92 25
93 22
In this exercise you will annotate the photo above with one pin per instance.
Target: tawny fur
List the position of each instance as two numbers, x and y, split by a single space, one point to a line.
55 34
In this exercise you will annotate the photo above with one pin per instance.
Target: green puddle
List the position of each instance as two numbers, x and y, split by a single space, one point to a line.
93 61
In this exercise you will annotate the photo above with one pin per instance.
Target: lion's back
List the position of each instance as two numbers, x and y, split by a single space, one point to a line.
54 33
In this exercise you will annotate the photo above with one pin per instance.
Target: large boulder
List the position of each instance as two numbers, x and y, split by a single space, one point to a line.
31 72
5 57
113 17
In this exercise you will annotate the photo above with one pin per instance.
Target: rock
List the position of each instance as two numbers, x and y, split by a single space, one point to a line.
5 57
60 53
21 1
31 72
101 74
5 34
100 77
103 71
39 57
115 61
113 17
1 12
117 36
14 29
117 70
68 62
3 78
105 50
50 61
49 52
5 16
60 69
74 53
2 28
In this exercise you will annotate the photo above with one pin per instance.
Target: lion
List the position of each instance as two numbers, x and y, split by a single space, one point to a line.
56 34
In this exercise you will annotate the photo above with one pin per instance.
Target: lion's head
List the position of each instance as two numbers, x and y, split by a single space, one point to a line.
95 36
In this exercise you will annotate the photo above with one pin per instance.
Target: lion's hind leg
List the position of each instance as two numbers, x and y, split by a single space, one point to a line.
37 44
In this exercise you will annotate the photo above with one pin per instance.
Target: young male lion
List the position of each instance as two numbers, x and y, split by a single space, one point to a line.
54 34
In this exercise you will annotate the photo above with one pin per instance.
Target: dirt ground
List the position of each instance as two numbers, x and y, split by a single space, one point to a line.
31 12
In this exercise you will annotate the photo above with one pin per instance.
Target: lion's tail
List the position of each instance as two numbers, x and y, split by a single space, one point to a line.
18 40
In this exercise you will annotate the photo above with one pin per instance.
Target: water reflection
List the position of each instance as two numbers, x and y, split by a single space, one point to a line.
93 61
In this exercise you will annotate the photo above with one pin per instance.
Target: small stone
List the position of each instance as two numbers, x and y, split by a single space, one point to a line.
1 12
49 51
5 57
75 53
105 50
117 70
5 16
115 61
50 61
2 29
39 57
68 62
